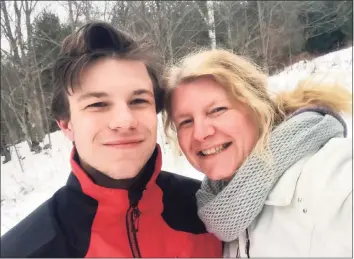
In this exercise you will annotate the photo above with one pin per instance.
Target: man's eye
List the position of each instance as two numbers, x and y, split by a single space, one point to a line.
139 101
97 105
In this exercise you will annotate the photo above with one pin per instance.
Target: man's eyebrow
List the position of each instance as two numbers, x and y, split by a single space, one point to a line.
143 91
92 94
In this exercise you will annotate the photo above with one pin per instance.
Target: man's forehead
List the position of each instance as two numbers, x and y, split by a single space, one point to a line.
114 64
114 77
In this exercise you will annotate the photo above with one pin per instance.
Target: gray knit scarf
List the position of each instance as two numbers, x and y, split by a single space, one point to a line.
227 208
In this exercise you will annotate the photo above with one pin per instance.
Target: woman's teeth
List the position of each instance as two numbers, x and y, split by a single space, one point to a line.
215 150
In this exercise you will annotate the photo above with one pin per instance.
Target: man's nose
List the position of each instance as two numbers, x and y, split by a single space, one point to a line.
202 129
123 118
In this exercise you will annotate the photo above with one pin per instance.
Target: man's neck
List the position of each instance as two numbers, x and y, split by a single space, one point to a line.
104 180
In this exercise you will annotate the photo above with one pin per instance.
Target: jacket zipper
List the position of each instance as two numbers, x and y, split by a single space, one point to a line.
132 223
248 244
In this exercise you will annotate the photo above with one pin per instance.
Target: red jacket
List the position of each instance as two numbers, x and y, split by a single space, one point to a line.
156 217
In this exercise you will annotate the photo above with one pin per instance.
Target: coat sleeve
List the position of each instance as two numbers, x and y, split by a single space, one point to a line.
31 236
329 179
346 215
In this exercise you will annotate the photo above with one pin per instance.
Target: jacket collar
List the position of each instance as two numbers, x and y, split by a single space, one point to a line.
115 196
284 190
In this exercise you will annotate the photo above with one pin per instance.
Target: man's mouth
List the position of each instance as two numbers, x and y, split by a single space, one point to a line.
123 143
214 150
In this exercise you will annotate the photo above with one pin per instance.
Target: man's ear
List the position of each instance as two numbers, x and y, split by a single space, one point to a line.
67 127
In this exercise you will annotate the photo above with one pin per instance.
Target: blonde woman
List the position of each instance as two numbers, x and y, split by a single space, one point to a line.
278 167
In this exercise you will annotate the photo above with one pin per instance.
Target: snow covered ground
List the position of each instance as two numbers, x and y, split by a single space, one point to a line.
335 67
44 173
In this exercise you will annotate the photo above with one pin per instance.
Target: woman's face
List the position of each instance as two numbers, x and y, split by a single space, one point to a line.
215 132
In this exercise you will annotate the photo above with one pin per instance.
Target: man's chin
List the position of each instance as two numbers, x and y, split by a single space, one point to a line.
125 166
130 170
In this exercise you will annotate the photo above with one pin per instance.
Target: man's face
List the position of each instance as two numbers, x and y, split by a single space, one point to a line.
113 118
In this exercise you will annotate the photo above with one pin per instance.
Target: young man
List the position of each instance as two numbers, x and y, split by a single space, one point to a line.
117 202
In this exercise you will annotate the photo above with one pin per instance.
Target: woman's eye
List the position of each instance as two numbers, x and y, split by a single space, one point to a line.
184 123
218 109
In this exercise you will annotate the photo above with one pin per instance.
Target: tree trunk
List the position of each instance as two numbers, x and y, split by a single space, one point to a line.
211 24
261 32
87 10
229 33
247 36
9 34
12 138
34 119
42 100
290 53
71 16
209 21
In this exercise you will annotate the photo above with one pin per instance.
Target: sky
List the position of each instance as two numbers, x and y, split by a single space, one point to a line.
58 7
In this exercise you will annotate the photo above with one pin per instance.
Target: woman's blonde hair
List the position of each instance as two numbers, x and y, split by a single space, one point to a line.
246 82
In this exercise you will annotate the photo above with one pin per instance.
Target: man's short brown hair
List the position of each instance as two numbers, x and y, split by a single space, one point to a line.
94 41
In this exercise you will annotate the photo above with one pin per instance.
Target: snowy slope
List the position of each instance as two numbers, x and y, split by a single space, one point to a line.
335 67
44 173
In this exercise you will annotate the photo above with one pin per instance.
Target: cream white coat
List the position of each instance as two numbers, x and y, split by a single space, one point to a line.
309 211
